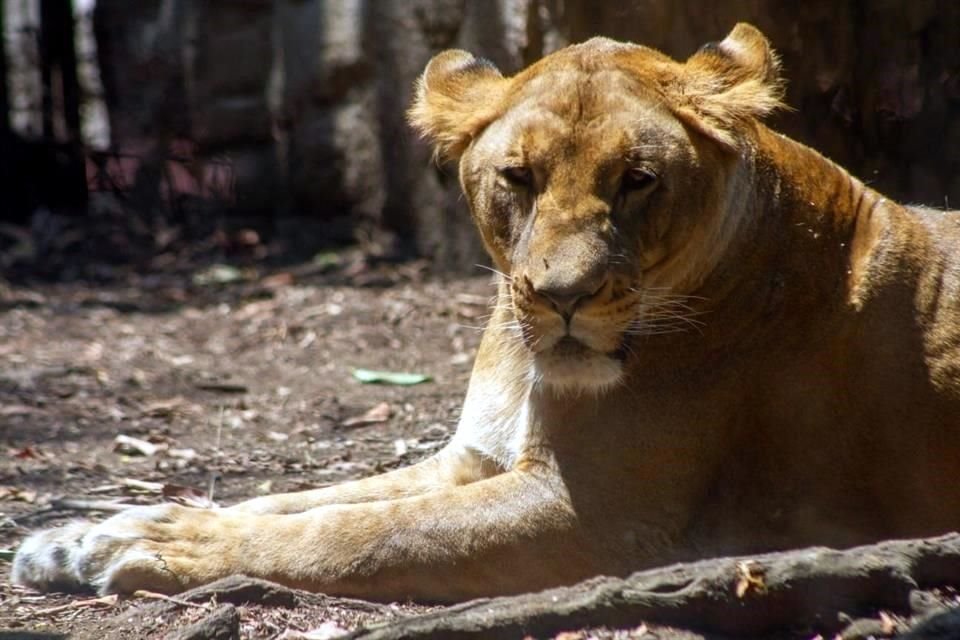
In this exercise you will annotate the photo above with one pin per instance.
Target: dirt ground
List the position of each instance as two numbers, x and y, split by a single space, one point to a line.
246 385
239 380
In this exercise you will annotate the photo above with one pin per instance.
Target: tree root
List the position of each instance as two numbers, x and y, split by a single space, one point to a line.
748 596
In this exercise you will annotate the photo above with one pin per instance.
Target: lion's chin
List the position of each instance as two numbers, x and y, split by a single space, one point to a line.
570 367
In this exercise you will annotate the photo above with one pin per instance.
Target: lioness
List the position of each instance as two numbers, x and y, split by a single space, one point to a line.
708 339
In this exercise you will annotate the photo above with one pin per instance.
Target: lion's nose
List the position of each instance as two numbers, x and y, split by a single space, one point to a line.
565 297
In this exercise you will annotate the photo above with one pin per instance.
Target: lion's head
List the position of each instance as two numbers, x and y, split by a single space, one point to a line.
607 181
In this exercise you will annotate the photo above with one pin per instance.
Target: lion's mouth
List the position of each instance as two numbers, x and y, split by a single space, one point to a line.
572 365
621 352
569 347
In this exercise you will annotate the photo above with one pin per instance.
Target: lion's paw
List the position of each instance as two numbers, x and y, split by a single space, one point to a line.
121 554
46 560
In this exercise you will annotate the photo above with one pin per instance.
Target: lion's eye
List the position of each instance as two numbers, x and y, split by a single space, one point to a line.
518 175
638 179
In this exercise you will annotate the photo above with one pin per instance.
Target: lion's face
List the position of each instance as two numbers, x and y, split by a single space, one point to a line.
603 199
596 202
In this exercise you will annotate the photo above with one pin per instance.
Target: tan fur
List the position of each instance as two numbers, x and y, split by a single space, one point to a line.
708 339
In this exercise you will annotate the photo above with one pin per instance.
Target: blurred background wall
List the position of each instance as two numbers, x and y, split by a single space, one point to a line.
287 116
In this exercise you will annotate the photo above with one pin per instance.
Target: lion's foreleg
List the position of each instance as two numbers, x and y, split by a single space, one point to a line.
512 532
453 466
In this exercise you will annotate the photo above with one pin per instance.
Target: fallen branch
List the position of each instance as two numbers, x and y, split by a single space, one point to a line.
128 445
80 504
803 589
57 505
222 387
103 601
241 590
150 595
141 485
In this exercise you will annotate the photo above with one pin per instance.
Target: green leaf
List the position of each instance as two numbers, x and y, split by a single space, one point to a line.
217 274
367 376
7 554
327 260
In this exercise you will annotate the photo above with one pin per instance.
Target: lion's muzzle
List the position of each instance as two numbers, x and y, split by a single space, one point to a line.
565 294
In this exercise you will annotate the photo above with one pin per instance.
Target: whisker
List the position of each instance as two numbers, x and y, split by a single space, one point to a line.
658 328
496 271
665 292
688 318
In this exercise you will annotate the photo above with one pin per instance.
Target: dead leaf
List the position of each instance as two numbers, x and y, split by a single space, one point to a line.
183 454
164 408
260 308
888 624
27 453
379 413
246 238
138 378
16 494
277 280
188 496
326 631
472 306
749 577
17 410
93 351
129 445
472 299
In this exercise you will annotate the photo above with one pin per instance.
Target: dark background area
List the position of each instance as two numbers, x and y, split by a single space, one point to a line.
275 128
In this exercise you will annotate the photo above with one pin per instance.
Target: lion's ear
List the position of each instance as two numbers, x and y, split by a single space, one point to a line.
456 97
727 83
